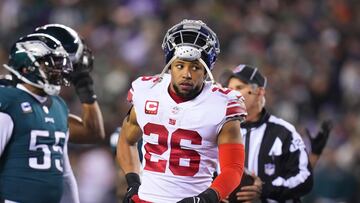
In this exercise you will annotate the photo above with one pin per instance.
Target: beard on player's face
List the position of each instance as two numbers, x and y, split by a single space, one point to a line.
187 94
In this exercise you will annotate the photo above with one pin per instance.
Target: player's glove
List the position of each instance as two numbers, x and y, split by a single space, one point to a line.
133 181
208 196
81 78
319 141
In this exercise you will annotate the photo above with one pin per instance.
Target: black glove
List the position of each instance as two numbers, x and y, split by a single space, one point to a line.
319 141
133 181
81 78
208 196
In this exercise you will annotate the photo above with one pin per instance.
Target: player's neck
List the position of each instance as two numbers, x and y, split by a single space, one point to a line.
34 90
176 97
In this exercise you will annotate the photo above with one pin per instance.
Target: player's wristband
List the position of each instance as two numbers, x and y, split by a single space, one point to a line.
132 179
210 195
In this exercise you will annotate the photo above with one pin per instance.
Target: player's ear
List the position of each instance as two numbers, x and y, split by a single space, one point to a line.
205 75
205 72
261 91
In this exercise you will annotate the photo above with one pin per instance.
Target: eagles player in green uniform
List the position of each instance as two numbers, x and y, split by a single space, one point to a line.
35 124
82 61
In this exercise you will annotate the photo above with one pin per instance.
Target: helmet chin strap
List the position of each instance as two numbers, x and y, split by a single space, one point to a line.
208 71
161 75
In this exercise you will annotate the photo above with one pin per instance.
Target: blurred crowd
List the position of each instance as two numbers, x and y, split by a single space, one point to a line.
309 51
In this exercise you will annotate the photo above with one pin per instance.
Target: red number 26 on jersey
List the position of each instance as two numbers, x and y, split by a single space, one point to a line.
176 152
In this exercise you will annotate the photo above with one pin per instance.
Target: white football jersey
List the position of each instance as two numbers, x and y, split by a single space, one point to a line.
180 152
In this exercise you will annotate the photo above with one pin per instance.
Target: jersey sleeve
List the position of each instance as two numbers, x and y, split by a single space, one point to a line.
71 193
233 104
130 94
235 107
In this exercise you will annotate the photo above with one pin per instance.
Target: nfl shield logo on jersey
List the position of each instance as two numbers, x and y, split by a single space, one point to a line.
175 110
26 107
151 107
269 169
172 121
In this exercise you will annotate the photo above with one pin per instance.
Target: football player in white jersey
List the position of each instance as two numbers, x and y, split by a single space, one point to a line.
187 123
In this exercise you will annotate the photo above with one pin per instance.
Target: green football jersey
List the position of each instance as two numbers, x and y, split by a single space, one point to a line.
31 166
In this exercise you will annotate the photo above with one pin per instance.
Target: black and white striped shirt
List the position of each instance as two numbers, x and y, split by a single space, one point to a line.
276 153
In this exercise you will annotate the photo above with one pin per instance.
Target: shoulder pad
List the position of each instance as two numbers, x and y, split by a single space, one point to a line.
60 101
146 80
142 82
226 92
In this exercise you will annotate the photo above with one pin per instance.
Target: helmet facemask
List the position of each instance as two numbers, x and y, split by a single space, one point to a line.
55 72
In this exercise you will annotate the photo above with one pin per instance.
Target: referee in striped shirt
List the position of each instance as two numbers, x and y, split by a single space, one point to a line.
275 153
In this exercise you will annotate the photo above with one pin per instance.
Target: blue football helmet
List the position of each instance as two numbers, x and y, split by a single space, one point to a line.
41 61
191 40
